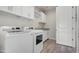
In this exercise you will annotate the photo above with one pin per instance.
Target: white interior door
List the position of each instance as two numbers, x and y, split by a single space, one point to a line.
64 25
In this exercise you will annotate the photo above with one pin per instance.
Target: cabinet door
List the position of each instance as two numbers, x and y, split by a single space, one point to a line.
10 8
31 12
43 17
37 15
17 10
28 11
4 8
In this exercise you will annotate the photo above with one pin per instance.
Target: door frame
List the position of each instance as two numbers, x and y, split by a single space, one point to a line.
77 35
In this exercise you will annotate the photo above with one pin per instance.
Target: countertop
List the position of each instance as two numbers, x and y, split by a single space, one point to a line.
42 29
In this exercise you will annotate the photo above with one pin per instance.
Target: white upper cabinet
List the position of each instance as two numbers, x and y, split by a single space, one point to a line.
4 8
23 11
28 11
43 16
17 10
37 15
10 8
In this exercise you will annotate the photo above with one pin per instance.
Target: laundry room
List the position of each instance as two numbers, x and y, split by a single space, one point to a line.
39 29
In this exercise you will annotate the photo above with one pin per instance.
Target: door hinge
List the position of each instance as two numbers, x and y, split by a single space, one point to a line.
72 28
72 6
72 17
72 39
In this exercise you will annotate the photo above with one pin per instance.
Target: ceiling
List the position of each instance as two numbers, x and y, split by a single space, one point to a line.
46 9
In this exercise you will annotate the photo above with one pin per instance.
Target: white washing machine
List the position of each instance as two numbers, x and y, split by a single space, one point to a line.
19 42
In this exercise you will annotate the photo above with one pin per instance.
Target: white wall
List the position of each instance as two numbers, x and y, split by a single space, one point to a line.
51 24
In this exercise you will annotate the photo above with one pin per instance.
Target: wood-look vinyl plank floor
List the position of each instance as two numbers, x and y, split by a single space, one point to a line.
50 46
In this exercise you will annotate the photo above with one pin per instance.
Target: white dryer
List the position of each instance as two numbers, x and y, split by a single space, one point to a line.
38 40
